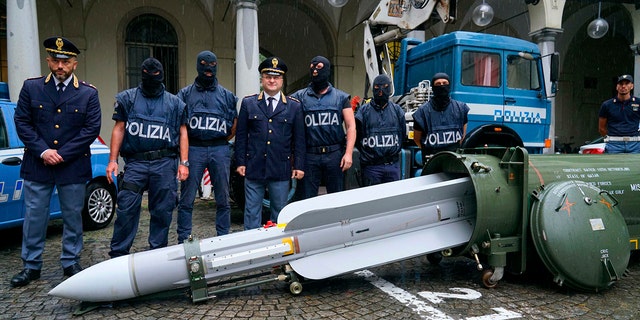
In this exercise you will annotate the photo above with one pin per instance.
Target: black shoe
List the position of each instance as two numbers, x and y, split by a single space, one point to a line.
24 277
71 270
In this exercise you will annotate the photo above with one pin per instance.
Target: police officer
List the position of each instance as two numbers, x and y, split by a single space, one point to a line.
269 143
329 151
380 126
212 122
150 133
57 118
619 118
441 123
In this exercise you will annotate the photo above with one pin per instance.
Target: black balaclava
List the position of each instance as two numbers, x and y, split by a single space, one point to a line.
441 93
151 84
320 81
383 91
209 58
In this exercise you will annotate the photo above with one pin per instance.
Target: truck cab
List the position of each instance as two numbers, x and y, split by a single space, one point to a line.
499 77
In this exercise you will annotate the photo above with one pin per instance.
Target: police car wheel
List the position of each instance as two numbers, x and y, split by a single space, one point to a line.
99 206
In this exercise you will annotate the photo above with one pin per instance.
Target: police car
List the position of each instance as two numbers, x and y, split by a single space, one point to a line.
100 199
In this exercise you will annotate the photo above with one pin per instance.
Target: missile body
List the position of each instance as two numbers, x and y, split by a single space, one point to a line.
579 212
320 237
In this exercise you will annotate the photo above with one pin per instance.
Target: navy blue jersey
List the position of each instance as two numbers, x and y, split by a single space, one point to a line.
151 123
323 115
381 132
623 117
442 128
210 112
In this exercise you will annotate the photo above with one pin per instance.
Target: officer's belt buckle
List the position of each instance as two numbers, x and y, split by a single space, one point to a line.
152 155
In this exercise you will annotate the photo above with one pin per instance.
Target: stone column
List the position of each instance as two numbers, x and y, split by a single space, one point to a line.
546 40
635 48
247 48
23 44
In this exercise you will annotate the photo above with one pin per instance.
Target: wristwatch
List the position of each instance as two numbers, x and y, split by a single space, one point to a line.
185 163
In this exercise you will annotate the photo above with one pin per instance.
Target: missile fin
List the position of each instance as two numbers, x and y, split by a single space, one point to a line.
365 255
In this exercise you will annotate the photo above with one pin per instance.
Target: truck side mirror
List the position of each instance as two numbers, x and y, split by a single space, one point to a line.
554 73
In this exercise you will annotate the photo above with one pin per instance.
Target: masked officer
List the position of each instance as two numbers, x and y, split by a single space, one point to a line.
57 118
150 133
441 123
380 126
269 144
212 122
327 112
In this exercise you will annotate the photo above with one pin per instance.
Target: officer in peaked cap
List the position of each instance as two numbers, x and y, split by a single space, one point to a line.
273 66
57 136
61 48
269 148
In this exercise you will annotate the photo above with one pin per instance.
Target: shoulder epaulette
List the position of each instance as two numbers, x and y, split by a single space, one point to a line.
34 78
88 84
294 99
251 95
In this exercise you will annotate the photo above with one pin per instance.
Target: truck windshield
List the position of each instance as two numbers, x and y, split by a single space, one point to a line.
481 69
522 73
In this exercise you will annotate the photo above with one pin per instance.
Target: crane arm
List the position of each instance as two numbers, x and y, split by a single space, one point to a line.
405 15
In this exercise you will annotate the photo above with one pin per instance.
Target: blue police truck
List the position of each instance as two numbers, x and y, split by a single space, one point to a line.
499 77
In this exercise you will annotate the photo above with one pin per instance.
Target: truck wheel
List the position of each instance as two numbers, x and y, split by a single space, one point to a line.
99 205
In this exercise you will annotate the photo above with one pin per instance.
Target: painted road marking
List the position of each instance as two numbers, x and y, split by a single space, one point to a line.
423 309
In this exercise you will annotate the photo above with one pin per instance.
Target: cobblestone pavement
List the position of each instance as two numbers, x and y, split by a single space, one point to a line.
412 289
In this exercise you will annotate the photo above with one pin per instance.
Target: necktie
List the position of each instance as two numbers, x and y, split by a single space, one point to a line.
270 104
60 88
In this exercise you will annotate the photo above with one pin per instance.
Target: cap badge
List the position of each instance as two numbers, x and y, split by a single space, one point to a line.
274 63
59 44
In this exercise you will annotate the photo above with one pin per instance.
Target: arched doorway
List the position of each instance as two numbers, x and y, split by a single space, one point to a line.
150 35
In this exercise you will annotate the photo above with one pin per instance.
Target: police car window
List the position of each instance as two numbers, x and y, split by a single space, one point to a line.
481 69
522 73
4 141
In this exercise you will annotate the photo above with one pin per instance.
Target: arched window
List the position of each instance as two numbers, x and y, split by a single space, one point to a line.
150 35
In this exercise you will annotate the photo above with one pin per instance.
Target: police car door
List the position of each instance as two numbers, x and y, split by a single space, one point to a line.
11 212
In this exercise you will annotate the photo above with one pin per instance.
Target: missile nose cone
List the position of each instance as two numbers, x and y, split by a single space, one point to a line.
106 281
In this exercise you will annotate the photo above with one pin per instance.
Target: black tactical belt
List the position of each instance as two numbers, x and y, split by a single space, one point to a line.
324 149
152 155
382 161
208 143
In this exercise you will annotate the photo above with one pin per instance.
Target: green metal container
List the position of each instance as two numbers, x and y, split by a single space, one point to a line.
579 213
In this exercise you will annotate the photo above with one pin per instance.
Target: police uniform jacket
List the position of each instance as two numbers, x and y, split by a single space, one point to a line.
323 115
68 122
152 123
441 128
381 132
270 143
211 112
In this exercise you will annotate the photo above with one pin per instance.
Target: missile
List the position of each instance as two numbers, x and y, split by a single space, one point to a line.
317 238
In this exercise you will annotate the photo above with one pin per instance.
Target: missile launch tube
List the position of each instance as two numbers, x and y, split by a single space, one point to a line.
584 206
